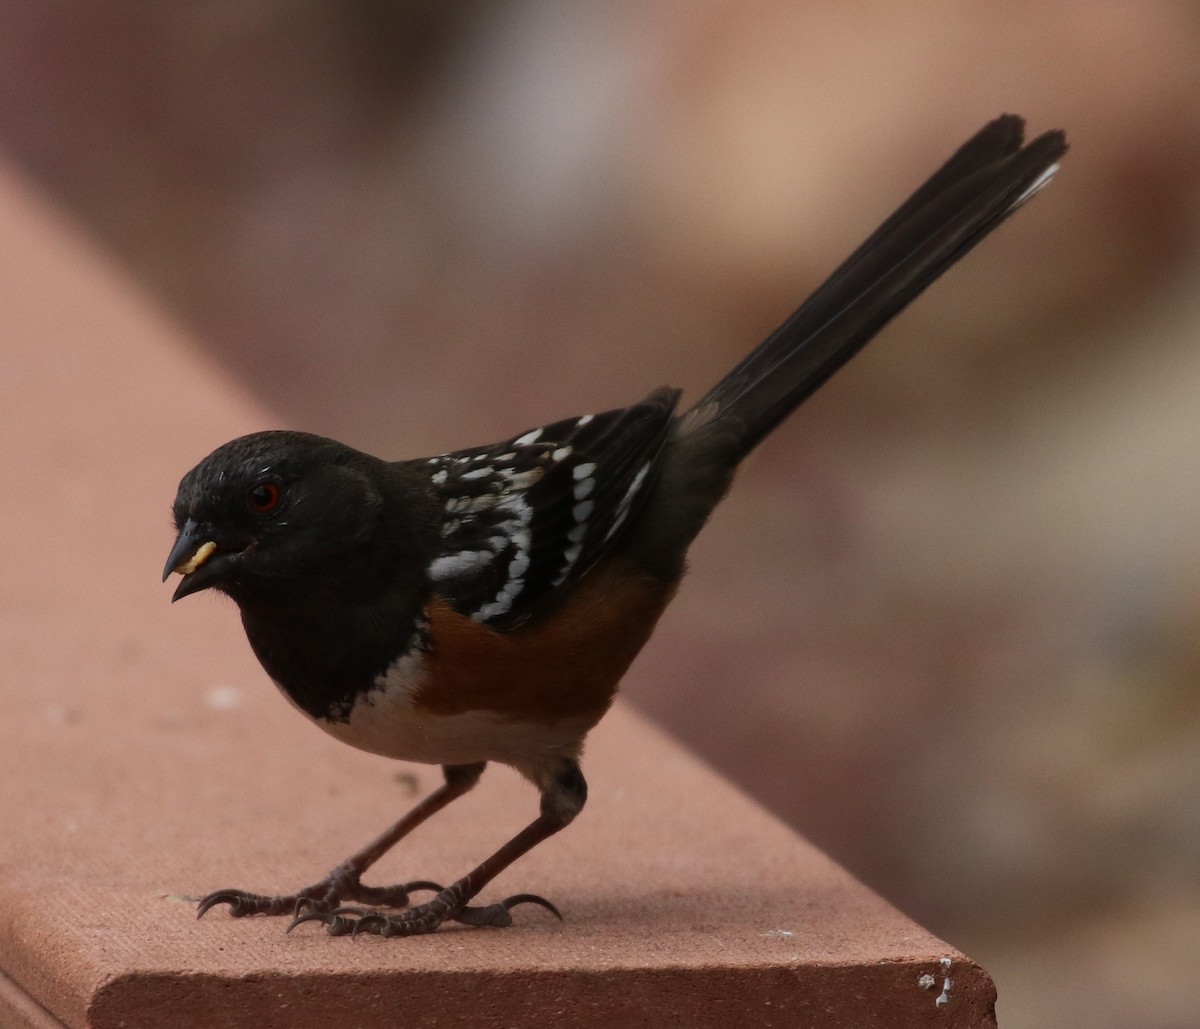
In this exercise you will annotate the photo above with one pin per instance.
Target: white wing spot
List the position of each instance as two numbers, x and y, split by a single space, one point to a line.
503 602
616 523
518 536
457 564
584 471
583 511
529 437
562 453
571 554
517 504
635 485
624 507
479 473
583 489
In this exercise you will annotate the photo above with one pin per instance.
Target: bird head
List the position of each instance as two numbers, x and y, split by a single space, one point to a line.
269 512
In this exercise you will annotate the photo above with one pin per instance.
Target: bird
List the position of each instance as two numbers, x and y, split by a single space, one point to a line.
483 605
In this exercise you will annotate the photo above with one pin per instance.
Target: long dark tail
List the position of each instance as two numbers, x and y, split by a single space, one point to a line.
989 177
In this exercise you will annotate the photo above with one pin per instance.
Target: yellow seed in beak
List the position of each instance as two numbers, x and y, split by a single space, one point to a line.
203 552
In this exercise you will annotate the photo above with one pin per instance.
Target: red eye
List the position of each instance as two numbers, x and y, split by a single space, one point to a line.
263 498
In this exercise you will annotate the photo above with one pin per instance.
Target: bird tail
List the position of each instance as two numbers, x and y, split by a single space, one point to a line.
989 177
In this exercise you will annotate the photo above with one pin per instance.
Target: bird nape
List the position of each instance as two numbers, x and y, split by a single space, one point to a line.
482 605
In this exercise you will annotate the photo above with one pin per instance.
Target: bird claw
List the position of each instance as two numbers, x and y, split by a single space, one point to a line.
498 914
351 921
372 922
307 916
426 918
320 897
242 903
336 922
319 903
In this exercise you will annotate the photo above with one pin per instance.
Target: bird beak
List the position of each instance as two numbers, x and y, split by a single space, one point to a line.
196 558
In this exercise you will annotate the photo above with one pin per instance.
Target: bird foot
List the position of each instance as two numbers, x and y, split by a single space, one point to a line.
425 918
340 885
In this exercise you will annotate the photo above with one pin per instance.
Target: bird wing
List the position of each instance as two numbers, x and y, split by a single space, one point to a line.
525 518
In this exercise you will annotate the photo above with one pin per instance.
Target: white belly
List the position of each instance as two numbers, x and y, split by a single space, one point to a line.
386 721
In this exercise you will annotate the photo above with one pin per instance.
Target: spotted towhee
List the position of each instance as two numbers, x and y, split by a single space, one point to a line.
483 605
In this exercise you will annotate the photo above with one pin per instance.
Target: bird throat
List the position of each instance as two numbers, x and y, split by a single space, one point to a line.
326 656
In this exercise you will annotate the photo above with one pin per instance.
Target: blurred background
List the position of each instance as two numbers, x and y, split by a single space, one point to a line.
946 623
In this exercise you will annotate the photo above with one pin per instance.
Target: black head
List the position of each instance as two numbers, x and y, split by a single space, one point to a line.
268 513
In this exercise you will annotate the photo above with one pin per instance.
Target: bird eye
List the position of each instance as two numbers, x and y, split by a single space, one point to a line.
263 497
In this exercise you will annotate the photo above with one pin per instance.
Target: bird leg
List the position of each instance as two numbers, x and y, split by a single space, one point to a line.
562 798
343 883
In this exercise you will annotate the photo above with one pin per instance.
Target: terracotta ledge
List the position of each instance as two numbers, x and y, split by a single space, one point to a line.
144 758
